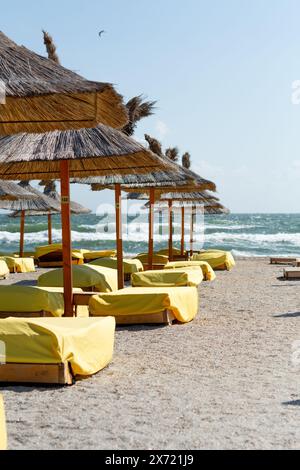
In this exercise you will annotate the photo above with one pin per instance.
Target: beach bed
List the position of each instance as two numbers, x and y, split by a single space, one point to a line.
19 265
217 259
158 261
168 277
93 255
285 260
33 301
146 305
88 277
55 350
4 269
291 273
3 436
50 256
130 266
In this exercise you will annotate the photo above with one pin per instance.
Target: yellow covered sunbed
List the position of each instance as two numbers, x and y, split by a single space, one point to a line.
93 255
147 304
55 350
51 255
19 265
217 259
87 276
168 278
165 251
3 437
129 265
4 269
207 270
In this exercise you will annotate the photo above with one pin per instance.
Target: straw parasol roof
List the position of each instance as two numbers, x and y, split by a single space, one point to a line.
38 201
200 197
11 192
42 95
95 151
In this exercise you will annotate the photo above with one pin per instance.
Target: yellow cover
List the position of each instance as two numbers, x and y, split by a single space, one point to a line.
165 251
167 278
84 276
157 258
92 255
47 249
3 436
182 301
4 270
129 265
208 272
217 259
86 343
19 265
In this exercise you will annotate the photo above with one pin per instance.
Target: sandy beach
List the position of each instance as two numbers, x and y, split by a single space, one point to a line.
224 381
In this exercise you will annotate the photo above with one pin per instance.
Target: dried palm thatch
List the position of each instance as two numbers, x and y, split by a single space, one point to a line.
90 152
137 110
51 192
154 145
41 95
12 192
172 153
50 47
186 160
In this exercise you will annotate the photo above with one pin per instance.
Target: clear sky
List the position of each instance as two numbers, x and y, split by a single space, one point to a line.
221 71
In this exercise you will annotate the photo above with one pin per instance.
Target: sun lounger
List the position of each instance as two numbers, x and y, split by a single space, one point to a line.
50 256
291 273
159 261
4 269
135 305
176 254
3 437
19 265
32 301
208 272
93 255
129 265
283 260
55 350
87 277
217 259
168 278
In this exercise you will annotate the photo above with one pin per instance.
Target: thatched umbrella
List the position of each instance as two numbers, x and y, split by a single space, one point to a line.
41 95
76 154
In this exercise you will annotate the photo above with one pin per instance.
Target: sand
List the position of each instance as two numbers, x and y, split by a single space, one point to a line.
225 381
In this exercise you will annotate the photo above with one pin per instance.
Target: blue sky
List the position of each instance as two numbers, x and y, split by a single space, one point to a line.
221 71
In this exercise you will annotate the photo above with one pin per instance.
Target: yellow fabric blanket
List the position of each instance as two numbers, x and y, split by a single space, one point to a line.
157 258
3 437
208 272
181 301
56 247
93 255
85 343
168 278
19 265
129 265
217 259
4 269
84 276
165 251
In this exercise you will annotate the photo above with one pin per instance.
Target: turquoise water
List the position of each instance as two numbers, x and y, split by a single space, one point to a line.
245 234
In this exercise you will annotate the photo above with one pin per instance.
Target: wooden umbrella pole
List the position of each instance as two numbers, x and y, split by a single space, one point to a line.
22 231
192 231
182 230
49 229
118 208
151 225
66 237
170 230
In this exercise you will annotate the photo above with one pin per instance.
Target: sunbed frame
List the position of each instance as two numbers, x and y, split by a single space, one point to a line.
36 373
291 274
165 317
283 260
55 264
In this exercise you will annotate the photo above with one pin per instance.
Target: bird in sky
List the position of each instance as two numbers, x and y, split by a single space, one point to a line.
101 32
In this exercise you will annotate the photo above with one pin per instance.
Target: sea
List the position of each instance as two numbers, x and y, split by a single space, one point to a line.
244 234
